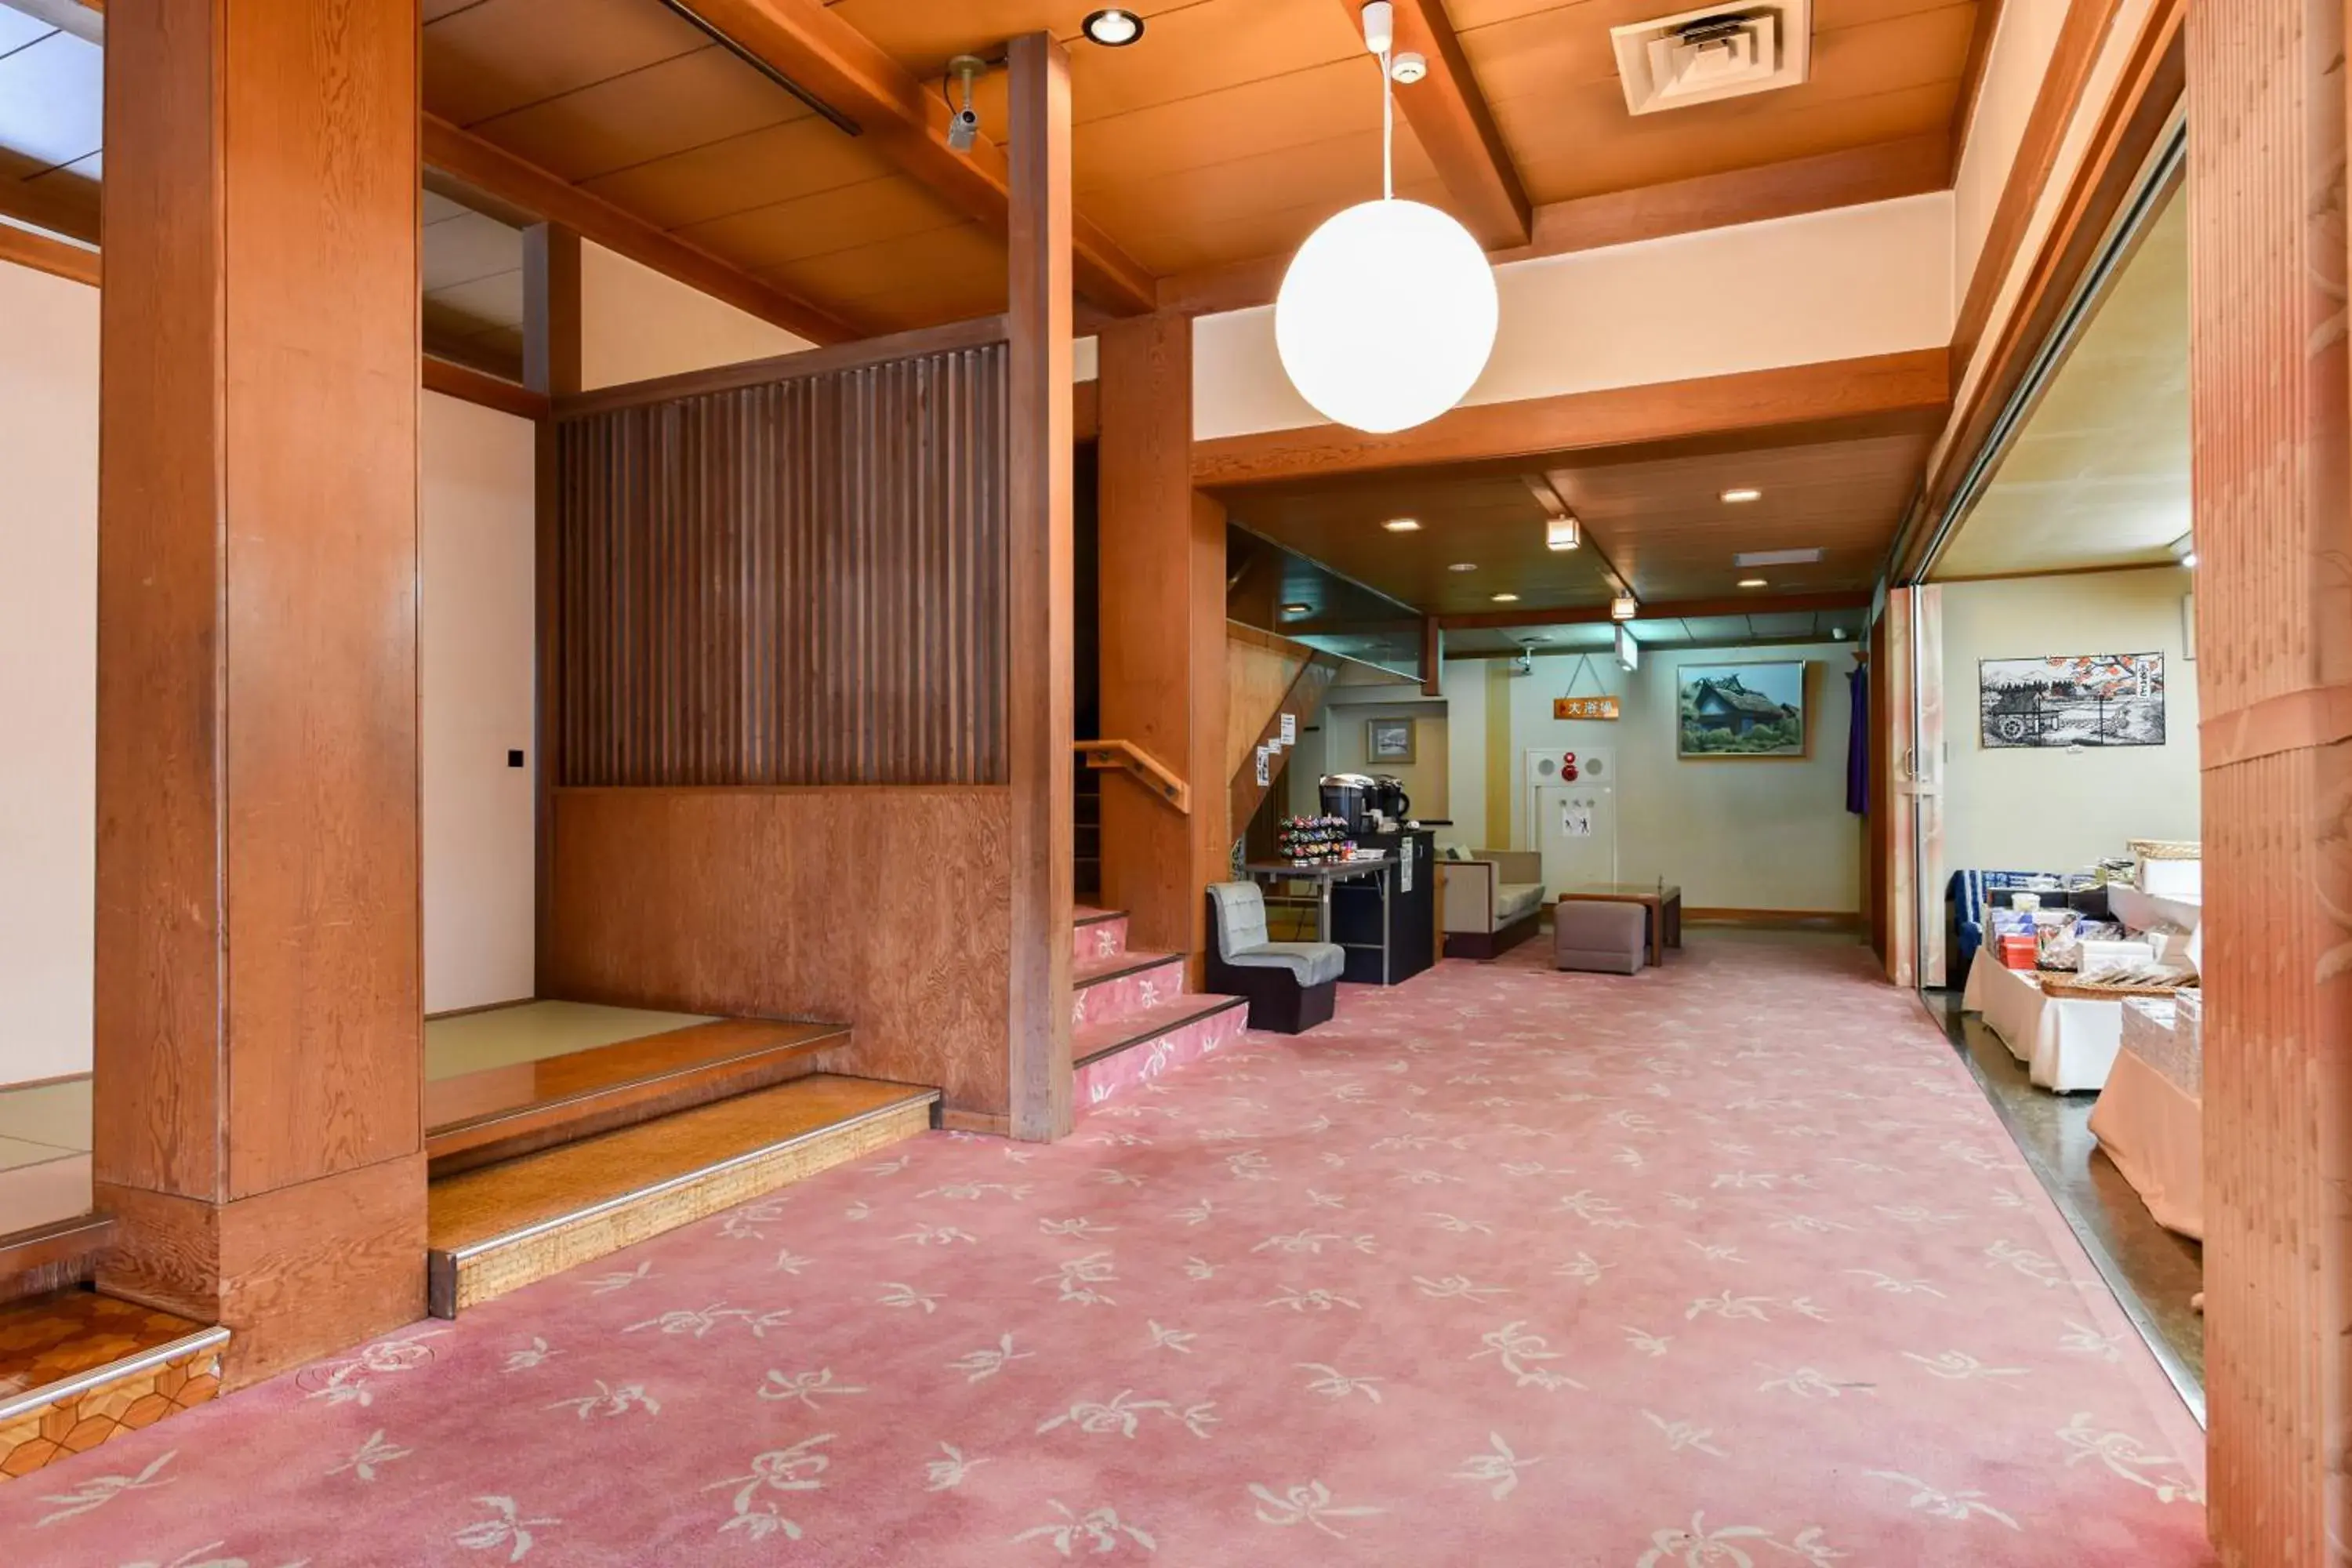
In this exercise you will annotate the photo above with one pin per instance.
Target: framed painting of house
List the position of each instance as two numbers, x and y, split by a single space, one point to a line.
1731 710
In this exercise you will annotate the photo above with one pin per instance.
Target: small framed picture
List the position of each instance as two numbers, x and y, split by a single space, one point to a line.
1387 741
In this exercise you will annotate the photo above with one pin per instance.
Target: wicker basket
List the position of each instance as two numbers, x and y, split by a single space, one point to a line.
2061 986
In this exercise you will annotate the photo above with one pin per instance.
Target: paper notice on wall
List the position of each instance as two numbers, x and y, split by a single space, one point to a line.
1264 765
1290 729
1576 819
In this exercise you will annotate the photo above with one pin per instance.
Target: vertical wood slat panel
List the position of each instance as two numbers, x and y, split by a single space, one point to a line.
2271 434
794 583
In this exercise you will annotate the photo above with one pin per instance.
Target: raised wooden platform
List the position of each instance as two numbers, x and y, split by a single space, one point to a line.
77 1369
476 1117
45 1258
503 1227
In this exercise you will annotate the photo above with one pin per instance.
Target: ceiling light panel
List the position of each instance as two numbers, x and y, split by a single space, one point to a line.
1777 557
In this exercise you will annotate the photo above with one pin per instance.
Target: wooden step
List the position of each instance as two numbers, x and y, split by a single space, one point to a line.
501 1227
476 1117
45 1258
1119 984
77 1369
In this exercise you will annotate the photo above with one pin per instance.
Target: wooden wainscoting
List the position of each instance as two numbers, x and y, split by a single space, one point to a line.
887 909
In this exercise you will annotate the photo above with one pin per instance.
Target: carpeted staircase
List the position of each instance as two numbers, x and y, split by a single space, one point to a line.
1132 1019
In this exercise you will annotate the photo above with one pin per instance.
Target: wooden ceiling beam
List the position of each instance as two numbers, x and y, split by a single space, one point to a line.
1881 172
42 254
484 167
815 49
472 386
1674 609
1450 118
1917 383
64 205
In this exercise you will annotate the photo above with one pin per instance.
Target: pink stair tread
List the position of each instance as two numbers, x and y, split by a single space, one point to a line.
1088 972
1090 1041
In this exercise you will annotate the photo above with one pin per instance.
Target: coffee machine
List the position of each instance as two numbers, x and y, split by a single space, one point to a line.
1349 796
1389 799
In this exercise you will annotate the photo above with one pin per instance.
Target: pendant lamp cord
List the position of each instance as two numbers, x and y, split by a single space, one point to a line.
1387 131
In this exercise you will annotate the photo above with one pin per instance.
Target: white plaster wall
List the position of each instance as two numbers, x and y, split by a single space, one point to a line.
2007 809
48 670
2023 43
477 654
1739 834
636 324
1870 280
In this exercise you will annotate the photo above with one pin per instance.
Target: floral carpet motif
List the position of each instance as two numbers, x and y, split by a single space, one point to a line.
1726 1265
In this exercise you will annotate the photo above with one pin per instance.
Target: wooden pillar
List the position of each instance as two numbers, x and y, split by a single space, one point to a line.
551 367
1037 717
1163 638
258 1052
2268 418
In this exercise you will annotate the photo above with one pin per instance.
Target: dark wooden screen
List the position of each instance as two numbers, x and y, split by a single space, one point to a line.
799 582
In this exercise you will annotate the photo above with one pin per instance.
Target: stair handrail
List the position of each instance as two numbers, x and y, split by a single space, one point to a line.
1142 765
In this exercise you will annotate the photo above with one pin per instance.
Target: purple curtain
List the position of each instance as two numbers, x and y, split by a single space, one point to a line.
1857 743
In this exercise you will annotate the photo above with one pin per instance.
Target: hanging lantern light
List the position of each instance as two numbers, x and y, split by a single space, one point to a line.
1388 313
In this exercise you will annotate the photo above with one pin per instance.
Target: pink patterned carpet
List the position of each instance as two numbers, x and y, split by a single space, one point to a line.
1729 1265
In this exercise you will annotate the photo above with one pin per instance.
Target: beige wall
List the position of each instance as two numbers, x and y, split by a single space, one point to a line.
476 647
636 324
1425 778
1870 280
2014 66
1740 835
2054 810
48 669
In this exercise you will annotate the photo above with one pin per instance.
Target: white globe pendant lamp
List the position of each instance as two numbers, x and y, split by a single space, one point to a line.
1388 313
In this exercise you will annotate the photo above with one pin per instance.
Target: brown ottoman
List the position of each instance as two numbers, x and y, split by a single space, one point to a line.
1603 938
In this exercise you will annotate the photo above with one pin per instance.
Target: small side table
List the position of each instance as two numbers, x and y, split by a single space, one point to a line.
1662 900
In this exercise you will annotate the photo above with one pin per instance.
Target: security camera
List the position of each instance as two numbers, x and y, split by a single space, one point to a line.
963 125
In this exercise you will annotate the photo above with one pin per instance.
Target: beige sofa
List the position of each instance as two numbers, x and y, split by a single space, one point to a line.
1492 901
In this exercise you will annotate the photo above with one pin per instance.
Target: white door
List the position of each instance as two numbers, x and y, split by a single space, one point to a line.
1573 802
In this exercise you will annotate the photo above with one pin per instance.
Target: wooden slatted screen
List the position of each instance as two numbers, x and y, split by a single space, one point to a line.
798 582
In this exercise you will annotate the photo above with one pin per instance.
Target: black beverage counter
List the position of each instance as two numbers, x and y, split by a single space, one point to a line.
1409 944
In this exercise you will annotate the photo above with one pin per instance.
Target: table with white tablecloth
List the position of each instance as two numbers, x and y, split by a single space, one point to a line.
2150 1117
2067 1043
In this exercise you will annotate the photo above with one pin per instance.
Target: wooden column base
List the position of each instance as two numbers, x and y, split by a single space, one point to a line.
294 1274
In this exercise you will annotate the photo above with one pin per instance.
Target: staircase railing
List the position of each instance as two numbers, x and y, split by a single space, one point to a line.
1126 757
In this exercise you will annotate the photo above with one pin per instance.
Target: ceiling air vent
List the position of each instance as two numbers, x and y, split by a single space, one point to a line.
1720 52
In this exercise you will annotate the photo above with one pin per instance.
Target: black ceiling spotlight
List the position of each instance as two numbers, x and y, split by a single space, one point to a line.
1113 28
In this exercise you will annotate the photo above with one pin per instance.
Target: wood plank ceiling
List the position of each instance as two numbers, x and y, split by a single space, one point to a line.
1222 139
1657 518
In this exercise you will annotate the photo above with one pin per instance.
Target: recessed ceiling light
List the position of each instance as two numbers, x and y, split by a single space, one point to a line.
1402 526
1113 28
1735 497
1295 609
1463 566
1506 598
1751 582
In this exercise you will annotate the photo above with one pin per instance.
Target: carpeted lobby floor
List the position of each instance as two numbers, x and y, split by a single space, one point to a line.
1729 1265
